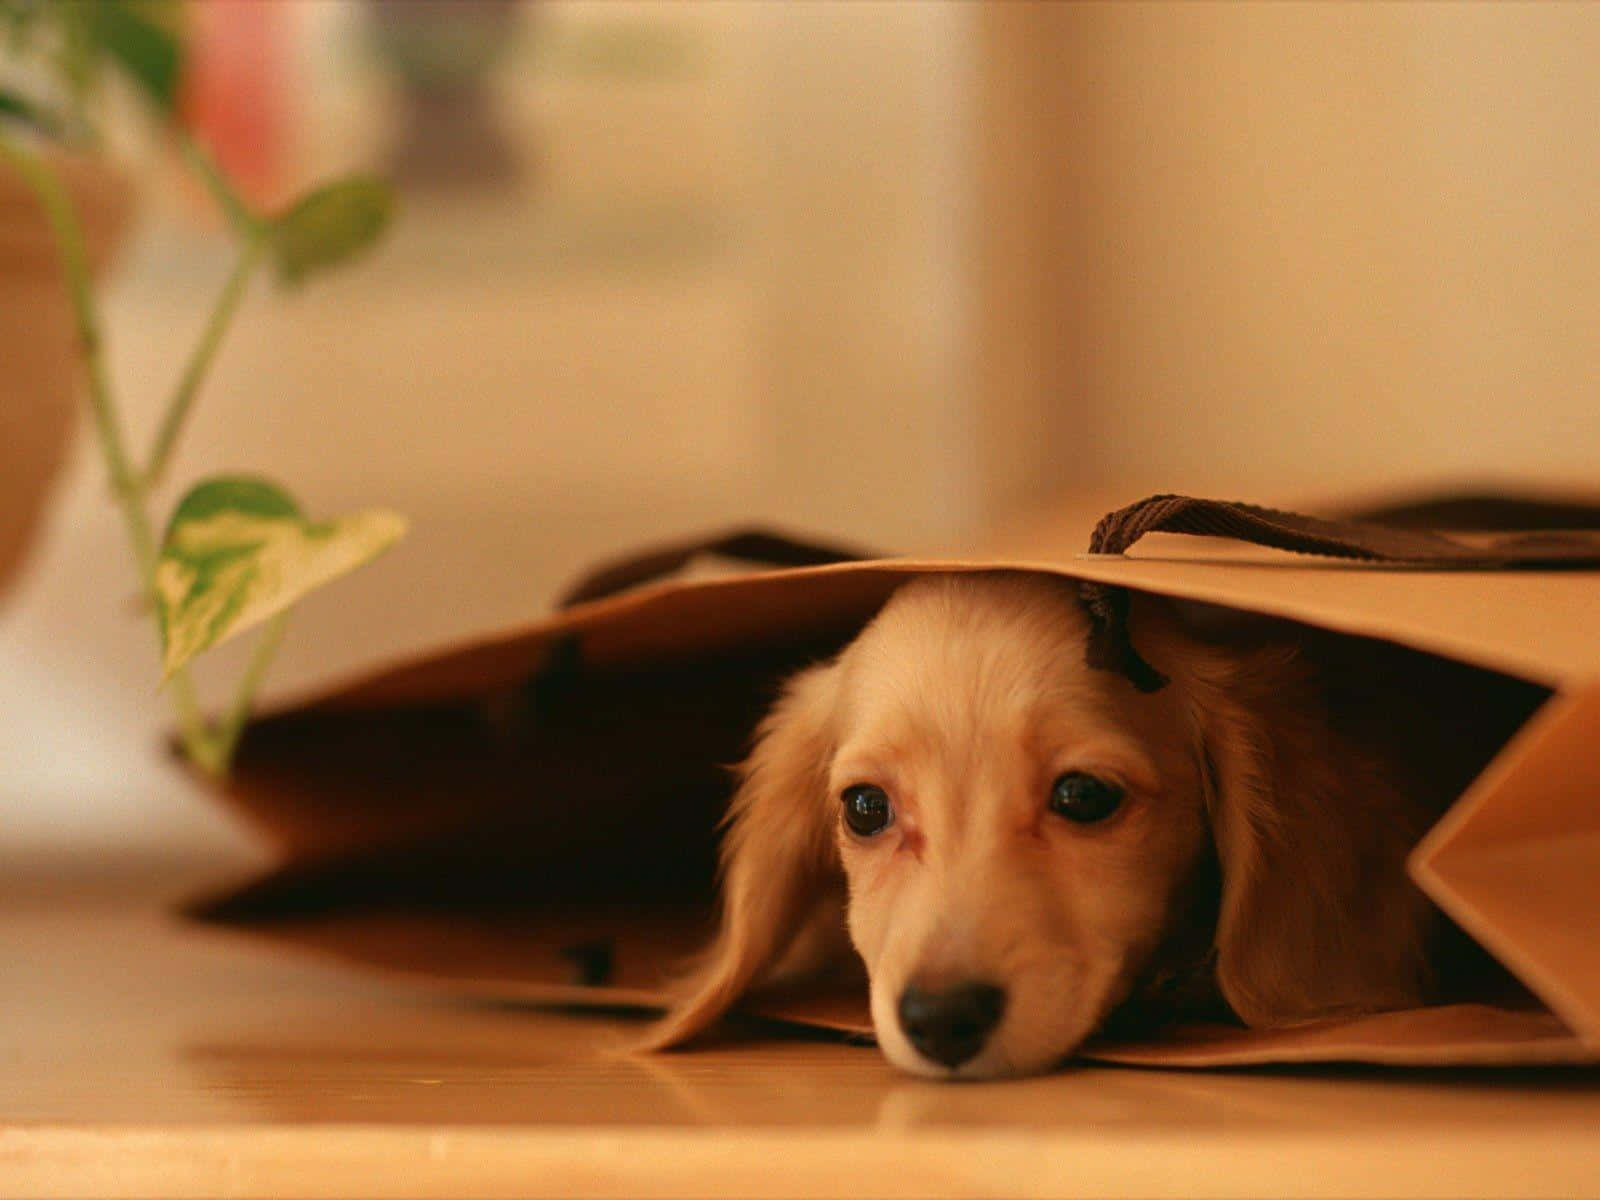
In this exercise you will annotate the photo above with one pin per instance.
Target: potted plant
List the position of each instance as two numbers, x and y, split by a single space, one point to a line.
236 551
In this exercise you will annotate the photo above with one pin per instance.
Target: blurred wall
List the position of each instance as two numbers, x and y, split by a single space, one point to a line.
1257 248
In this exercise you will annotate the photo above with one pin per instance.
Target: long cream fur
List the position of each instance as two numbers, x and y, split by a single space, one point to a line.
968 692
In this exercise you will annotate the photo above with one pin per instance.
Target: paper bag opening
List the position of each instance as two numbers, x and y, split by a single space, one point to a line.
534 817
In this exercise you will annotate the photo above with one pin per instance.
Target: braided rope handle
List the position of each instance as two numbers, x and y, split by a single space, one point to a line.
1369 541
1373 541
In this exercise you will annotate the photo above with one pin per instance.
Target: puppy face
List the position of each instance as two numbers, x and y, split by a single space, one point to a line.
1014 828
1023 837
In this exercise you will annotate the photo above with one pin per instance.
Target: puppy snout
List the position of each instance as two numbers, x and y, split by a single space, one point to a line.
950 1025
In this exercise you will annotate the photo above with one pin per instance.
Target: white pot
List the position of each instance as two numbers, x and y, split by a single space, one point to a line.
40 370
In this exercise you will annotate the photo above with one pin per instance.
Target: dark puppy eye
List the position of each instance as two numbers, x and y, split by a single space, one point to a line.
866 809
1083 798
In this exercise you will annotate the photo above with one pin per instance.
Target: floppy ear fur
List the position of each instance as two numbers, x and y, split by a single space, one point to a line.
1317 916
777 855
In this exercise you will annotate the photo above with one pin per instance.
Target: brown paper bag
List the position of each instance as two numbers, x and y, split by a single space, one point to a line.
531 816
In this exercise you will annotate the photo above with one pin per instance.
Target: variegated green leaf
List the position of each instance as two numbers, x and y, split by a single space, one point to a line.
142 40
329 225
14 106
237 551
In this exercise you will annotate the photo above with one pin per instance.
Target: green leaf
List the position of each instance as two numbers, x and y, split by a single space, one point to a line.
16 107
238 551
18 16
77 55
145 47
330 225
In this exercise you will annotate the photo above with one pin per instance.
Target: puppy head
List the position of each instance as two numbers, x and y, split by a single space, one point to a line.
1018 832
1013 827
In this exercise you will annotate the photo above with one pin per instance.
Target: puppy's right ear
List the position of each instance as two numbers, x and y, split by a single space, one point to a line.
776 855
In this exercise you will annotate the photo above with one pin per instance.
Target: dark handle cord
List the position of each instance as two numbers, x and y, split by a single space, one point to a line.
1370 541
747 545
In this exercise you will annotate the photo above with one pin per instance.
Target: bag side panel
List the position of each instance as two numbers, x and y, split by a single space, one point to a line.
1517 862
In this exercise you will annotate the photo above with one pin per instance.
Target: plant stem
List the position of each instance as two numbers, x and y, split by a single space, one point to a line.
244 222
46 186
200 361
226 739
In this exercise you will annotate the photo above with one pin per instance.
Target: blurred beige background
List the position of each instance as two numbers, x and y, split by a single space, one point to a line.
893 272
1313 246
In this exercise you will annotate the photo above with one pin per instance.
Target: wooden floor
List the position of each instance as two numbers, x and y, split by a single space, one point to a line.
139 1057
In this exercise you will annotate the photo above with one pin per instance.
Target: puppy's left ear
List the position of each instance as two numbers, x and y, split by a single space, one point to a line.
1317 916
777 855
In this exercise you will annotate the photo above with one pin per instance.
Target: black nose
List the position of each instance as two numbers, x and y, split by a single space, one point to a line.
950 1025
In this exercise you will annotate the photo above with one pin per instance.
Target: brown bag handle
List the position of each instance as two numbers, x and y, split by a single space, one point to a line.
1368 540
1571 540
746 545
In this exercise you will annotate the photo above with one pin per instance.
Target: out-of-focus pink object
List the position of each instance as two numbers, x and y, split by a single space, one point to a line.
236 91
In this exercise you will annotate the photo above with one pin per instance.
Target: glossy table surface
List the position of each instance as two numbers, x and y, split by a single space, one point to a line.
142 1057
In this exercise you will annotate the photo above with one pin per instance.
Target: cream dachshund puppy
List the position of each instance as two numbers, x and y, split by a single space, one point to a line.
1033 850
